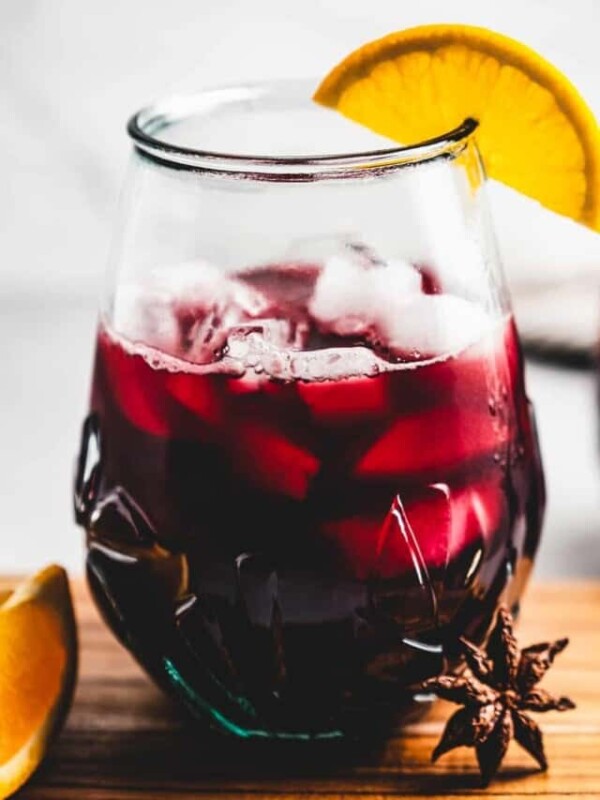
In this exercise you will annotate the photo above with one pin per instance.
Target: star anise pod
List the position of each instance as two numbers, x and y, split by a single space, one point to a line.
495 691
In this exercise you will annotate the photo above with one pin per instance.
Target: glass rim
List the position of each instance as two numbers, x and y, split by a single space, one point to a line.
145 125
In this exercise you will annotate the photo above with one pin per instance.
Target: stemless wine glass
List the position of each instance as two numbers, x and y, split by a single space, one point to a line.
310 464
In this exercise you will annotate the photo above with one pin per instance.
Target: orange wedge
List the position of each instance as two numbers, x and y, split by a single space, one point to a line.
535 133
38 664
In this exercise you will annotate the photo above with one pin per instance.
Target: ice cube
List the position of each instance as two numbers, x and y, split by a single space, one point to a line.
339 402
433 325
254 341
202 335
142 315
338 304
453 437
271 461
349 297
247 300
199 394
207 305
166 309
186 310
392 282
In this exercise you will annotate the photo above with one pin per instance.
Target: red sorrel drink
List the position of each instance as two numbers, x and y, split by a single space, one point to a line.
300 535
309 465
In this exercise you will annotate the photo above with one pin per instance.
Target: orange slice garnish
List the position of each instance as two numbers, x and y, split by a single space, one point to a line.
536 133
38 659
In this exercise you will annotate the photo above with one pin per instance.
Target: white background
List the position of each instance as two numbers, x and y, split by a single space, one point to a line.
71 72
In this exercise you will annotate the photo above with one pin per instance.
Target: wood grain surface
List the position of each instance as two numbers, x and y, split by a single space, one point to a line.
125 740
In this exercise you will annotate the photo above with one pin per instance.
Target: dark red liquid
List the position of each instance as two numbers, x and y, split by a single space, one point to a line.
287 555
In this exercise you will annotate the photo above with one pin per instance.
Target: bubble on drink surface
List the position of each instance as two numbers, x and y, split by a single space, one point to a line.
259 337
335 363
262 346
261 319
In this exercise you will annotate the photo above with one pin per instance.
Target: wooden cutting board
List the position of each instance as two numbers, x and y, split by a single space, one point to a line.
125 740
